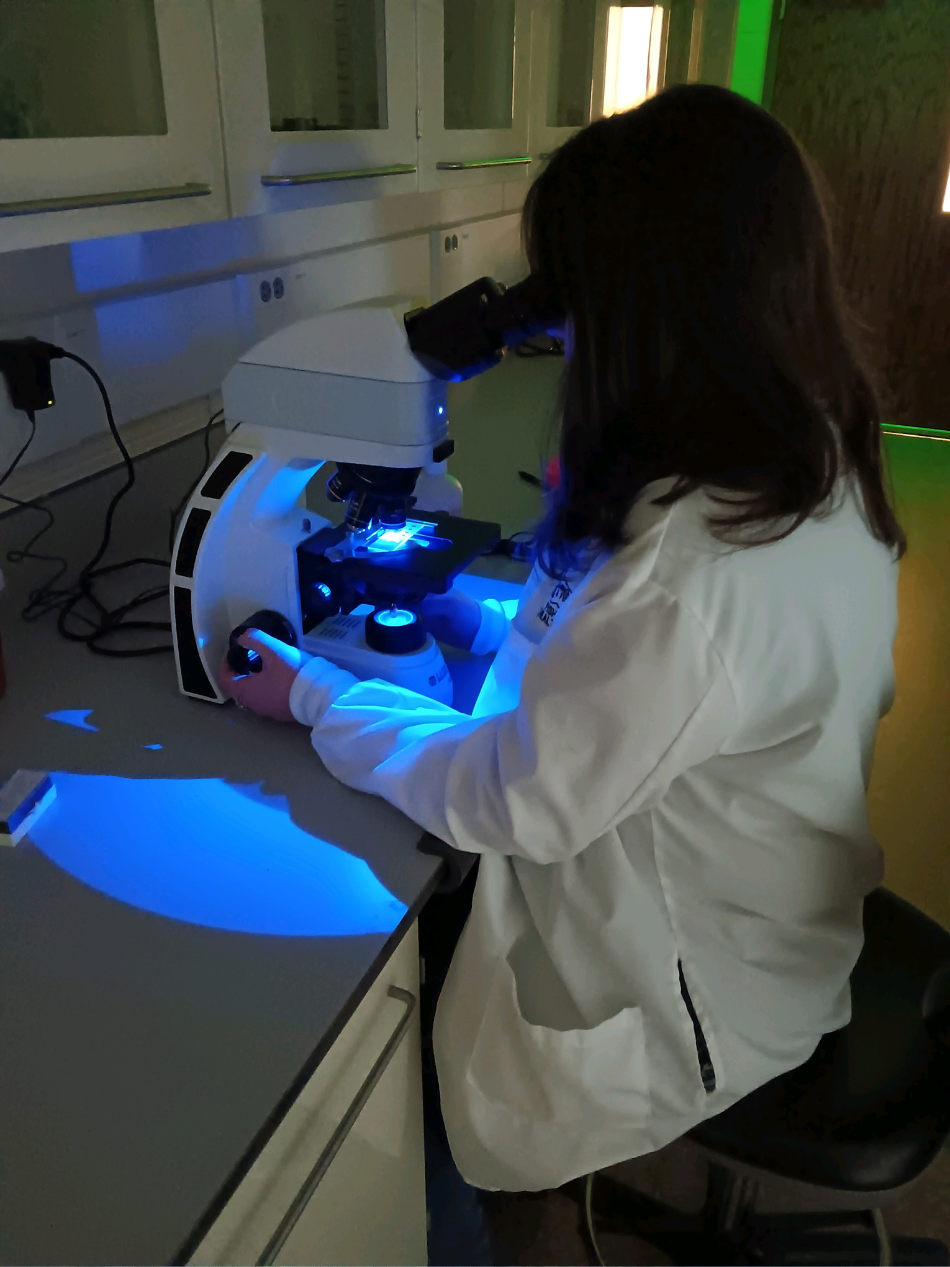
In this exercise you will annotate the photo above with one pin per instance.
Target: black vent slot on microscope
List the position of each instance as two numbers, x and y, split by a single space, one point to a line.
191 535
194 680
224 474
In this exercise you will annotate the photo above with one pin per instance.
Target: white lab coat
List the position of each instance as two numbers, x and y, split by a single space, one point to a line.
677 773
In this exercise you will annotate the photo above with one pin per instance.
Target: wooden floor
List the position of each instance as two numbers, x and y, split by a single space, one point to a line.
543 1228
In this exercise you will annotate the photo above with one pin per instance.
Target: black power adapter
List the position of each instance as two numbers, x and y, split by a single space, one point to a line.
24 365
81 616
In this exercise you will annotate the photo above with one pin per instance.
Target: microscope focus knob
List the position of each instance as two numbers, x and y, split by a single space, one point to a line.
243 661
394 631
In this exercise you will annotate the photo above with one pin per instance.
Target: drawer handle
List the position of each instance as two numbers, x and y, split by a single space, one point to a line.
466 163
81 202
355 173
299 1203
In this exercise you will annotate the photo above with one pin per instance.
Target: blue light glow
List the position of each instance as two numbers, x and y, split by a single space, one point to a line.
392 539
481 587
206 852
104 263
154 747
395 618
416 532
441 411
323 589
73 717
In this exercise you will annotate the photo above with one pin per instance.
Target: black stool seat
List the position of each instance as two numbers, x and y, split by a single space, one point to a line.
867 1113
871 1109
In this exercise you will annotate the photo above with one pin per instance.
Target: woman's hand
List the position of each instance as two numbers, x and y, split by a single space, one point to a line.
452 618
266 692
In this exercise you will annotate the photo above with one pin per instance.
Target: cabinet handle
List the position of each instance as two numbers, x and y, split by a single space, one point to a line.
299 1203
80 202
466 163
354 173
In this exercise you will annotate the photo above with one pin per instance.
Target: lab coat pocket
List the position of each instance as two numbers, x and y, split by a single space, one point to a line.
588 1078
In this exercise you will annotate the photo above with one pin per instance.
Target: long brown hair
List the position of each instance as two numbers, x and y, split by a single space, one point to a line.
690 246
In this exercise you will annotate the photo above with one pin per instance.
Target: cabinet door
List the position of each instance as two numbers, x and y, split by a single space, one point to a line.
568 43
369 1205
712 41
474 89
108 118
318 99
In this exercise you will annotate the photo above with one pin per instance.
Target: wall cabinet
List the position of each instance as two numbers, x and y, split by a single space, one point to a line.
119 116
369 1205
318 100
108 119
473 91
568 49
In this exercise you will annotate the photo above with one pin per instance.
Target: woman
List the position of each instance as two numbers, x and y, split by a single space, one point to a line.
667 786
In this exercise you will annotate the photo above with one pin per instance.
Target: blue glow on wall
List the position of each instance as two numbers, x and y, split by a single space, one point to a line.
104 263
211 853
73 717
136 258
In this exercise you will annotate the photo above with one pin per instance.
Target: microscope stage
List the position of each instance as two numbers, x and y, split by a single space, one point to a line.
388 565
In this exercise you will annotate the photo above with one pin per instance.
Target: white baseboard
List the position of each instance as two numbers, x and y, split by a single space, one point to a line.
99 453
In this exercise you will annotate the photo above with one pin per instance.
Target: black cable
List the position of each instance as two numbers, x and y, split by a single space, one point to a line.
26 444
67 601
540 347
513 548
26 552
20 556
103 622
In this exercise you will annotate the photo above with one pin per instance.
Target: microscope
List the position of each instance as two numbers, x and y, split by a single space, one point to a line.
363 388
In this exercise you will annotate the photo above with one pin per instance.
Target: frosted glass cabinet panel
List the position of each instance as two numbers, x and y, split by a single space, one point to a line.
326 65
712 42
108 118
318 99
53 55
478 64
474 61
567 70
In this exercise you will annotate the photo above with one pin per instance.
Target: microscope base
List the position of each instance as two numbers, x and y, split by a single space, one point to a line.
340 639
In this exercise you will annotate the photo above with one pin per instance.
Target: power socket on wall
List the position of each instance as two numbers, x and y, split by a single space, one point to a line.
271 299
462 253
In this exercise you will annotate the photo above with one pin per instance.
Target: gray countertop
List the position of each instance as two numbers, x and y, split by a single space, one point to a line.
165 986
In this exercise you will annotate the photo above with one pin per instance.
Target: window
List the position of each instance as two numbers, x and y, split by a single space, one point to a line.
632 72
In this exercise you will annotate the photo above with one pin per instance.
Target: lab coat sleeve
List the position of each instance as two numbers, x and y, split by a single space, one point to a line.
621 697
493 628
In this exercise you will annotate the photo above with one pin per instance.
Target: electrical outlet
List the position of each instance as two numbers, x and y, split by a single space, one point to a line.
273 298
482 248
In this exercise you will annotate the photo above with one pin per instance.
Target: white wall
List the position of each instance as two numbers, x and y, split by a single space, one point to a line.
162 316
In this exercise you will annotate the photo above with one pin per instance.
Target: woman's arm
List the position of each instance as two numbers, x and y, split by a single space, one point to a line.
618 700
461 621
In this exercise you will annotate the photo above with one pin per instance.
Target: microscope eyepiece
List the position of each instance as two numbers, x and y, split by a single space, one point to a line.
467 332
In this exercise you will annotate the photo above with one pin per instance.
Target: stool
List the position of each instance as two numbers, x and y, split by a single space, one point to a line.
866 1114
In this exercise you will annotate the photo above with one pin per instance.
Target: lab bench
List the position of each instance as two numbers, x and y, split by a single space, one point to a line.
208 958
